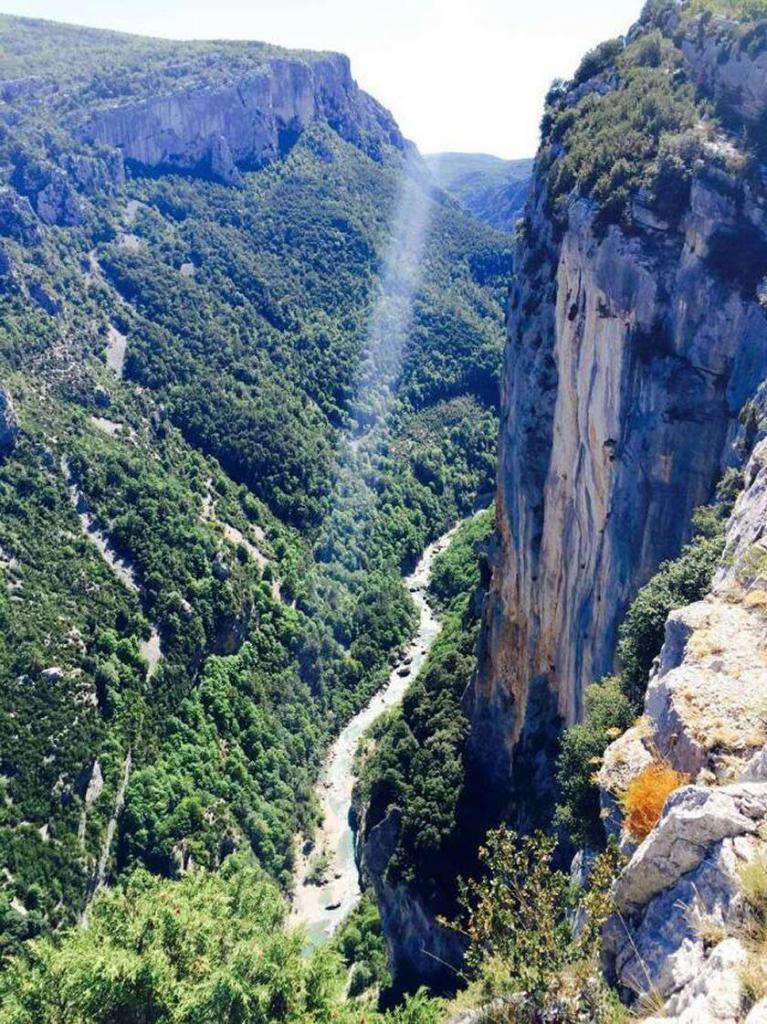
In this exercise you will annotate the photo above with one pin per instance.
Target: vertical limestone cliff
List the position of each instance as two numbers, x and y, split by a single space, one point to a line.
246 121
637 331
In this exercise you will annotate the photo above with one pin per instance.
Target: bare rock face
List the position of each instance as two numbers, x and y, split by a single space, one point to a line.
715 995
726 58
244 124
95 784
17 218
680 906
758 1013
628 360
51 192
679 927
420 951
9 424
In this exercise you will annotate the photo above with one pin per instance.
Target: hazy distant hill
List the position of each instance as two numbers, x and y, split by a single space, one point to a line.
491 189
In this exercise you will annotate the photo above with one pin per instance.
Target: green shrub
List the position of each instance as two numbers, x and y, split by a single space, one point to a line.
637 133
207 949
676 583
598 60
523 957
360 940
607 713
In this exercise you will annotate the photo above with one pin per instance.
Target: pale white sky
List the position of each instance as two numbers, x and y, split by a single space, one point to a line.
467 75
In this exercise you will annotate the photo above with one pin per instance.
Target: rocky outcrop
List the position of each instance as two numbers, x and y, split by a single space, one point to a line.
220 130
631 351
100 172
49 189
17 218
727 59
679 931
9 423
420 950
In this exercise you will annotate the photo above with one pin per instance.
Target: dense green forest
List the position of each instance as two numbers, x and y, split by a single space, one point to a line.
240 391
258 488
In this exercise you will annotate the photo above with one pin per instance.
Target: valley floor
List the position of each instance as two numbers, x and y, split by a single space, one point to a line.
327 877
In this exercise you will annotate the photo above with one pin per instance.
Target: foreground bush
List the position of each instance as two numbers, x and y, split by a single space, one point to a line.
207 949
526 961
210 949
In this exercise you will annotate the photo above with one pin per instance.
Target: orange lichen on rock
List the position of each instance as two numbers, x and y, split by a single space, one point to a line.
646 796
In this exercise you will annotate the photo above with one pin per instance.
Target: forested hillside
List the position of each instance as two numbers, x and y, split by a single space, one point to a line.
490 189
240 393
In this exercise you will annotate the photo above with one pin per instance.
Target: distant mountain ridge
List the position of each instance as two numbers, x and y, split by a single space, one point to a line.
491 189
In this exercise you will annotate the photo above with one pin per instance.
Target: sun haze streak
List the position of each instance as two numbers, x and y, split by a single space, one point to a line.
392 315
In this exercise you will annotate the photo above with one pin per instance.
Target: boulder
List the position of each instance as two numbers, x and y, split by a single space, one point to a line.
623 761
715 996
694 819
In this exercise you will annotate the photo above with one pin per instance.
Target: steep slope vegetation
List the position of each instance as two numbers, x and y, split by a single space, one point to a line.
411 801
227 431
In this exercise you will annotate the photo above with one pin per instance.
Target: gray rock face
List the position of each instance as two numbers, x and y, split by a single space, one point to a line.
628 360
419 949
9 423
680 896
694 820
17 218
220 130
50 191
724 57
758 1013
95 784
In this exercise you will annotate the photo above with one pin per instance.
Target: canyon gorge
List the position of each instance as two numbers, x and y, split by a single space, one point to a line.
257 356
